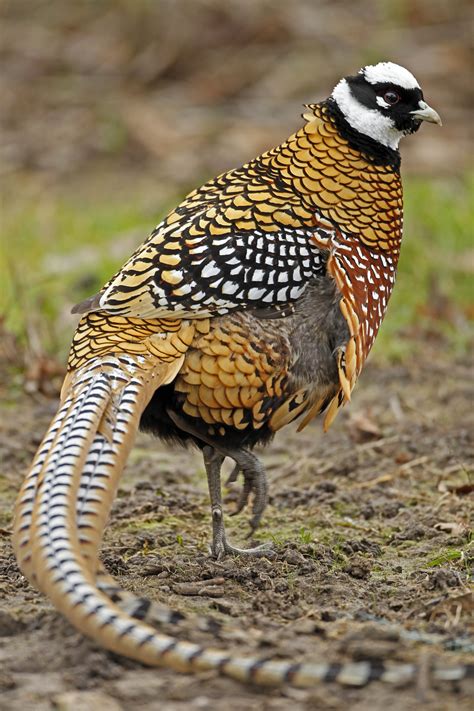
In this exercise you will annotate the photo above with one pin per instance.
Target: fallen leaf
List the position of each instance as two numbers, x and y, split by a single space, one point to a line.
362 428
452 527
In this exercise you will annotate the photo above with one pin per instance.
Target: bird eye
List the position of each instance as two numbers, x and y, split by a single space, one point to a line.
391 97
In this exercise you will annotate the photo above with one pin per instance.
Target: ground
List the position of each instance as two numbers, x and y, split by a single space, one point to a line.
369 525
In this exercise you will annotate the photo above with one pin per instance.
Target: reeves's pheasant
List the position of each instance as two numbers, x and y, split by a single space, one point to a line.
254 303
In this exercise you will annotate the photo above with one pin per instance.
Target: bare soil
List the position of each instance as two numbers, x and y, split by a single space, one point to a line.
370 530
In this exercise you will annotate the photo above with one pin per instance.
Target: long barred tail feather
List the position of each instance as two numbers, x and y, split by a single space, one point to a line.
47 458
62 510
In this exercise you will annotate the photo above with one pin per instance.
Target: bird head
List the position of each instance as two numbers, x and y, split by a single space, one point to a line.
383 101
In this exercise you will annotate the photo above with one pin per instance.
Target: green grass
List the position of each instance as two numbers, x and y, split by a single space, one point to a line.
56 250
434 289
59 247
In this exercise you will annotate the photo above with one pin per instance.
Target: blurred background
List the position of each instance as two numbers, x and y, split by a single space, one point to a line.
111 111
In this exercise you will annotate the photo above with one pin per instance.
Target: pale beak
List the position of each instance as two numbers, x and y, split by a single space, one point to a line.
426 113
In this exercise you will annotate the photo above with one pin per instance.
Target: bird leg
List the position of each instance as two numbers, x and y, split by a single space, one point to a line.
220 546
255 481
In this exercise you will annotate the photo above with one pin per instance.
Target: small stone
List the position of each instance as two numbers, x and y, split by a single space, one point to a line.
225 606
358 568
8 625
7 682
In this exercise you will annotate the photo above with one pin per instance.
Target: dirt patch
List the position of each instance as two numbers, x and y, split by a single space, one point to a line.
369 525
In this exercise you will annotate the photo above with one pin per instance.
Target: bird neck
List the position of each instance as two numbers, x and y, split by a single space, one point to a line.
374 151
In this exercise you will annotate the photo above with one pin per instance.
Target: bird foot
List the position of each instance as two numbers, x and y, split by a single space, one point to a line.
220 547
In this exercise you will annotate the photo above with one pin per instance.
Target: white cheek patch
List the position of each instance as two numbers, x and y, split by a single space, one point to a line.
367 121
389 73
382 103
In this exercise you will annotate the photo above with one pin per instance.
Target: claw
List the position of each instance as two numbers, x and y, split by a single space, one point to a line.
254 524
220 548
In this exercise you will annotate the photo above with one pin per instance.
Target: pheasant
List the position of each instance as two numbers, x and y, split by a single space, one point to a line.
253 304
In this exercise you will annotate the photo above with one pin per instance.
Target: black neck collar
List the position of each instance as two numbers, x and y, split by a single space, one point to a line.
374 151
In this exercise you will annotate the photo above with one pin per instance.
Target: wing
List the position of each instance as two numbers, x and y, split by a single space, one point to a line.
215 260
243 240
211 277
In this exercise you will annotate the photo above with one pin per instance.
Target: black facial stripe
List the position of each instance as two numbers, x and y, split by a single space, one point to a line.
363 91
410 97
366 94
